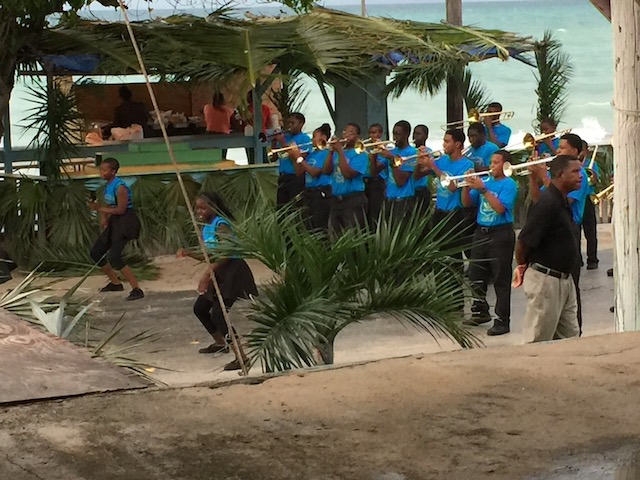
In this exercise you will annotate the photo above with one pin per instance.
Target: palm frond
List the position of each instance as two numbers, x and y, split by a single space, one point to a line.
554 72
474 92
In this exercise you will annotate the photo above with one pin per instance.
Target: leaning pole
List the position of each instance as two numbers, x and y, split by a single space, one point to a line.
625 20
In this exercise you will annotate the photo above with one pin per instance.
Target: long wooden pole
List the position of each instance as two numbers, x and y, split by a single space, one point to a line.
454 98
235 344
625 20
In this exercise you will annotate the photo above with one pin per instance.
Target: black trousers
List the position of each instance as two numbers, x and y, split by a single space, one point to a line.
210 314
423 199
375 190
396 210
589 226
317 202
492 259
110 244
575 274
347 212
461 221
289 187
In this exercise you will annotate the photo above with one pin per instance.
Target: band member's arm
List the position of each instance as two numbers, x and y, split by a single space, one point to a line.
119 209
423 165
492 134
400 176
490 197
315 172
345 168
522 253
550 145
327 167
375 166
467 201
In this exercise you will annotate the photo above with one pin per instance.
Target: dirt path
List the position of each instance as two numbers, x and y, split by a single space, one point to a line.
499 413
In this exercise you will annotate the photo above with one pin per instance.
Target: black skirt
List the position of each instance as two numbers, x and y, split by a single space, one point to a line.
235 280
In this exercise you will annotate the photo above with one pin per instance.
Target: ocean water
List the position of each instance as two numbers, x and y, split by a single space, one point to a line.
584 33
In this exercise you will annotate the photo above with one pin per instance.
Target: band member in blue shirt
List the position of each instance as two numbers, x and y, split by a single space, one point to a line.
374 183
497 133
317 189
449 206
290 185
400 189
493 242
119 224
589 222
480 151
549 146
420 178
347 168
570 144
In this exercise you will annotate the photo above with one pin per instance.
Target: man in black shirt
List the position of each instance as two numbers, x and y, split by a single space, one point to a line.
130 111
547 250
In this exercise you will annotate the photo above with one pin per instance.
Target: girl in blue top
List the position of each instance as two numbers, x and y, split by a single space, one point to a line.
233 275
119 224
317 189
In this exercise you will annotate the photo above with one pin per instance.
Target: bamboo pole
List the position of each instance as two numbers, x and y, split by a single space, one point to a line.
625 20
454 80
237 348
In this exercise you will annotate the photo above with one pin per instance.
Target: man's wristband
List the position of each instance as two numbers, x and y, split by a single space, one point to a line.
483 191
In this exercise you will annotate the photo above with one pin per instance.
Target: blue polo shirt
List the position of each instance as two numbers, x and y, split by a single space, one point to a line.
111 193
316 159
407 190
445 198
543 148
422 182
506 189
502 132
481 156
579 197
341 186
286 165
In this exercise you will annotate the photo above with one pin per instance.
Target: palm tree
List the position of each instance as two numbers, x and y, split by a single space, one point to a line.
321 287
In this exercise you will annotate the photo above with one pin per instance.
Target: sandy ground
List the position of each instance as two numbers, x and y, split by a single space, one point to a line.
565 410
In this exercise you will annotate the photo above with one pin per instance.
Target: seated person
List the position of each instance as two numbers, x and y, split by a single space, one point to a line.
130 112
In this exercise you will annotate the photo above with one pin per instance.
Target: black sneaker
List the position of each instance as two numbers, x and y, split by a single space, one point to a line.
592 265
499 328
135 294
477 319
112 287
215 348
610 272
235 365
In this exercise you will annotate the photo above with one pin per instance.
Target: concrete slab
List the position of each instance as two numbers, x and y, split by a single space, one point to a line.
35 365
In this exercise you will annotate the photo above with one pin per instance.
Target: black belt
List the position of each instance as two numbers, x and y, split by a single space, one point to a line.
398 199
496 228
288 174
372 179
549 271
340 198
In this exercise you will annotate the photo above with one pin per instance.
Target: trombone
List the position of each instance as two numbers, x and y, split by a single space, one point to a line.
530 142
591 173
475 117
606 194
446 179
509 169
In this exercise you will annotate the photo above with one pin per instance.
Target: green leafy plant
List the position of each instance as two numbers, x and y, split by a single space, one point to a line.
321 286
474 92
554 73
292 95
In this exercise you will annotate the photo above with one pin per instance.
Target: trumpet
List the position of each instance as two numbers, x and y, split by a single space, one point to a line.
359 147
381 145
530 142
280 151
398 160
509 169
606 194
475 117
446 179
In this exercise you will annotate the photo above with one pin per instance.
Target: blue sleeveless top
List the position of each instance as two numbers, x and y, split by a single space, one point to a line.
210 231
111 193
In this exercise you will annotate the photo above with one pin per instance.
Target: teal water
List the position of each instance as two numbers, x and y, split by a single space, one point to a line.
585 34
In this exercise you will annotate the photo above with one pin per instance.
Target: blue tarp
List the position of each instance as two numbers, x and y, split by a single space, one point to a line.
74 64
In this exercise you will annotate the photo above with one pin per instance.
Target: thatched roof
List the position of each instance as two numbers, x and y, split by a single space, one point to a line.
325 44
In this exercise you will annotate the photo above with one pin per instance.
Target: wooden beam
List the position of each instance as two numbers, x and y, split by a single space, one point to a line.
454 98
625 21
604 7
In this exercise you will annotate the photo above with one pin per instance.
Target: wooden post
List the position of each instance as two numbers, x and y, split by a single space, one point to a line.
454 98
625 20
8 147
363 7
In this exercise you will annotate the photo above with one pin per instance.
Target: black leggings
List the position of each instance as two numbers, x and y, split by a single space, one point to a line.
210 314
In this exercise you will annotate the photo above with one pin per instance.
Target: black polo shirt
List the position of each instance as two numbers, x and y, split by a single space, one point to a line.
549 232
